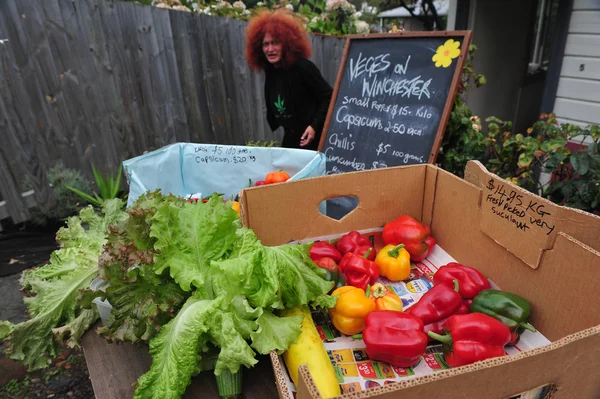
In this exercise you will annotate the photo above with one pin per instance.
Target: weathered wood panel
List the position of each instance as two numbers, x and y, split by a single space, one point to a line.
100 81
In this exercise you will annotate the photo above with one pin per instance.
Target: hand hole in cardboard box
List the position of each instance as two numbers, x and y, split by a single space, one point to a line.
338 207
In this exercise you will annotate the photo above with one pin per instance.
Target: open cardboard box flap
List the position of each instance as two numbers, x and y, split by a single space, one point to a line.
553 262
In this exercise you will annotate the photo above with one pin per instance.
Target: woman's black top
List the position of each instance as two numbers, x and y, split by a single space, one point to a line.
297 97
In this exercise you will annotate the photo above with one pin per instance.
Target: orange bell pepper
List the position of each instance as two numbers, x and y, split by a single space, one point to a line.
393 262
352 306
277 177
384 298
236 207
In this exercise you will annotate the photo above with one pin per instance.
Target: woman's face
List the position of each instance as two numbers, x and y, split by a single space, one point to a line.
272 49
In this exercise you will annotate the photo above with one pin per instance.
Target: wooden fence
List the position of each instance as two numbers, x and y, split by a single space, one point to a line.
101 81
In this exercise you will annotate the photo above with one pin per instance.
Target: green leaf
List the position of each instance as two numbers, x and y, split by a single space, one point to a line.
273 277
276 333
57 286
6 327
324 301
71 333
580 163
553 144
235 351
525 160
592 148
175 350
189 238
595 132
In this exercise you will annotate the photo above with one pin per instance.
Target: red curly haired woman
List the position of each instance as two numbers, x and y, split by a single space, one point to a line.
296 93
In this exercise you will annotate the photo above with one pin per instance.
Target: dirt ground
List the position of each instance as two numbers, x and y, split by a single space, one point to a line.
67 377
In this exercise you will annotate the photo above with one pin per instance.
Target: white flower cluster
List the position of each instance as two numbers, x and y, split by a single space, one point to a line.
172 4
239 4
362 26
346 6
289 7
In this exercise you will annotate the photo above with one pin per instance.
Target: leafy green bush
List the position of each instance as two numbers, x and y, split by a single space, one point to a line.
66 202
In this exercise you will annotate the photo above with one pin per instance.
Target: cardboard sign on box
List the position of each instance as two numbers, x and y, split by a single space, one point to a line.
527 245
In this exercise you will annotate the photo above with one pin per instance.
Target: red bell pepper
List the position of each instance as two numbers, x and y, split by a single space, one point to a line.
394 337
359 271
470 280
333 272
323 249
437 305
415 236
355 242
472 337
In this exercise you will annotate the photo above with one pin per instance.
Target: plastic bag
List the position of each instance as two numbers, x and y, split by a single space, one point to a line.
187 168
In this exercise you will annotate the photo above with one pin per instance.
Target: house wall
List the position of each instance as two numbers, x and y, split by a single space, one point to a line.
578 94
501 32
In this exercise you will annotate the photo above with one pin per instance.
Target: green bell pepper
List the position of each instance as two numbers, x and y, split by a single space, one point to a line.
512 310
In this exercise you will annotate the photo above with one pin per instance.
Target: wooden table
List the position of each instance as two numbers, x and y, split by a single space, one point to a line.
113 368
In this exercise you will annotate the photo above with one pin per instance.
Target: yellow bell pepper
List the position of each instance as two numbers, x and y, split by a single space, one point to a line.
236 207
384 298
352 306
393 262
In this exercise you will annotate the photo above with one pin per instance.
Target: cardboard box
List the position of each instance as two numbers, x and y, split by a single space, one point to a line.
525 244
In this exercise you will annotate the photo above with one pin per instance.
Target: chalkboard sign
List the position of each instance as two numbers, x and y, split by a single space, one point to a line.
392 99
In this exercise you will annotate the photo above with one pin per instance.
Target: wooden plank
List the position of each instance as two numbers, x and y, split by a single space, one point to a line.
79 84
579 89
585 22
61 101
586 5
114 368
99 84
175 125
237 85
583 45
581 67
24 103
182 28
586 112
212 83
129 80
197 41
9 165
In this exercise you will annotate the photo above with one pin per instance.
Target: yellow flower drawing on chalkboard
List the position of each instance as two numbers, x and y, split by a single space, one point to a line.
446 53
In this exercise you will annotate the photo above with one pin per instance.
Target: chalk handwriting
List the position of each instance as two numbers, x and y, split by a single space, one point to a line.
370 65
415 87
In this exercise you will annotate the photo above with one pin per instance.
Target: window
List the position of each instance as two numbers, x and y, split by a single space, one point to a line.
544 25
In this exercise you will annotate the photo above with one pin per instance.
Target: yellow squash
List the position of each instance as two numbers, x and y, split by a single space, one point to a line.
309 350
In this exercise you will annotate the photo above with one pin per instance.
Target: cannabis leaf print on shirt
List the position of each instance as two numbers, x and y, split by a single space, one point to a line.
279 105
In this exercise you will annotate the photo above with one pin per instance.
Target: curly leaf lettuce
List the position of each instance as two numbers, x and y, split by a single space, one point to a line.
181 349
270 277
57 286
141 300
71 333
276 333
6 328
189 238
175 350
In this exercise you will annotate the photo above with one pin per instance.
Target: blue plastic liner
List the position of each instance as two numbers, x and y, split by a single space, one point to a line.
187 168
